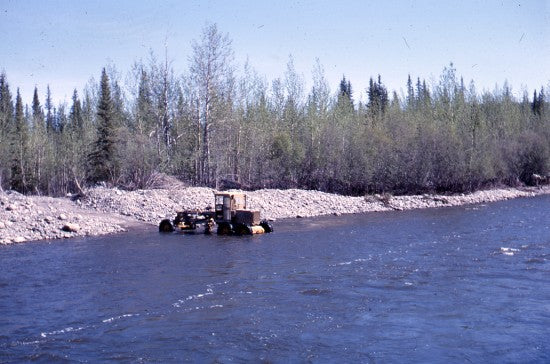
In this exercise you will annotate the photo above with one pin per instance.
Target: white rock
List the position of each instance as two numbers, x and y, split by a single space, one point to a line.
71 228
19 239
62 217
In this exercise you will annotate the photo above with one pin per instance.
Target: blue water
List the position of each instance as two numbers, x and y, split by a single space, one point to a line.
466 284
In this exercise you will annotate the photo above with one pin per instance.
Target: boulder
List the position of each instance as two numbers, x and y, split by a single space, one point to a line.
62 217
71 228
19 239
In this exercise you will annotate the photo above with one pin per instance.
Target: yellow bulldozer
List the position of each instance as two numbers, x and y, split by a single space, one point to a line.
230 217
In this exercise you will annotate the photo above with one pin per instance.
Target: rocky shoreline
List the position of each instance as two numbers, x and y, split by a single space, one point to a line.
110 210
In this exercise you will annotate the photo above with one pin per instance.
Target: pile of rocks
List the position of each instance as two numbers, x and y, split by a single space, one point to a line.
26 218
148 205
276 204
153 205
431 200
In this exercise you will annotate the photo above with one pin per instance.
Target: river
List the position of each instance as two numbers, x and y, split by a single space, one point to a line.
464 284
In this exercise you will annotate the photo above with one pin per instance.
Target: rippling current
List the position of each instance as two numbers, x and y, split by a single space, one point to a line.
466 284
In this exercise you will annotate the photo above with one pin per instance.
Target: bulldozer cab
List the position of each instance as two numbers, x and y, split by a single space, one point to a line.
227 203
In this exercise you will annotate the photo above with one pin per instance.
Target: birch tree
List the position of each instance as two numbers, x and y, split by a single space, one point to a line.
210 69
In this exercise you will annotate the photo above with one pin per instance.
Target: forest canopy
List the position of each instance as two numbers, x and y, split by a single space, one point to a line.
219 122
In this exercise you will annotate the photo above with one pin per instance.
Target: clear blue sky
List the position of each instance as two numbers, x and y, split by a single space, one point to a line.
64 43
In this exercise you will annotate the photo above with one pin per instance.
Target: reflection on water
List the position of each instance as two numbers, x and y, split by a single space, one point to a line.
453 284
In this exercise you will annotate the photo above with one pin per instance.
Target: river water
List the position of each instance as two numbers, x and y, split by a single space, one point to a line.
466 284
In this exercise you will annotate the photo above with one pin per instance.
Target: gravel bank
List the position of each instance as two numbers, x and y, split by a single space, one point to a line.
106 210
26 218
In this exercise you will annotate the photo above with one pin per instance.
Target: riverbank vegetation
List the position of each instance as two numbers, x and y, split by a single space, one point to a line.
222 124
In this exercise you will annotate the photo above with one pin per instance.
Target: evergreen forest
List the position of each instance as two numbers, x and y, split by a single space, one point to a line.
219 124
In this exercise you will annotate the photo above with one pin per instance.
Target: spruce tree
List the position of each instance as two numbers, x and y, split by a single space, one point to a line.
345 95
75 116
344 87
6 124
410 93
49 110
37 113
378 98
19 148
540 102
144 117
39 143
6 106
102 160
77 138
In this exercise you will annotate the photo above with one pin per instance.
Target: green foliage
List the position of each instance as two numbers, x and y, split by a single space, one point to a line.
6 129
211 74
378 99
285 157
211 126
103 159
49 110
19 149
534 156
538 102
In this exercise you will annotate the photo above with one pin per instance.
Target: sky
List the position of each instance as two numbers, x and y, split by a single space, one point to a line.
65 43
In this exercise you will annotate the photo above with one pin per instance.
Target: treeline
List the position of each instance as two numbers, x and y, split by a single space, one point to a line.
216 126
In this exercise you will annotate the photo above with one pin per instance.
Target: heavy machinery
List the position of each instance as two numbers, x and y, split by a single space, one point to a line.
230 215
